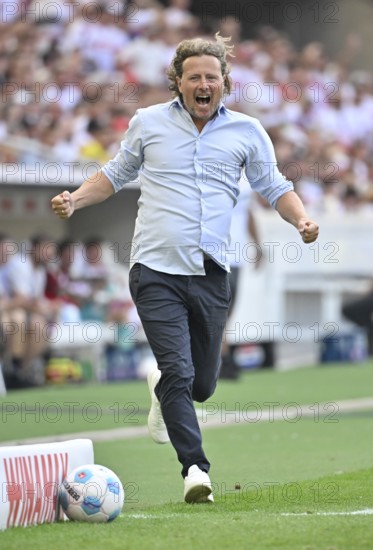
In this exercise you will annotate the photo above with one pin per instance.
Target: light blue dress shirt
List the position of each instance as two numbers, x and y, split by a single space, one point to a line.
189 182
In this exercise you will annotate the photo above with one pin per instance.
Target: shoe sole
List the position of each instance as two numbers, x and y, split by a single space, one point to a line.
198 494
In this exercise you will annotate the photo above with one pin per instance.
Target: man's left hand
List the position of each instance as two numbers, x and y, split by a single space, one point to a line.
308 230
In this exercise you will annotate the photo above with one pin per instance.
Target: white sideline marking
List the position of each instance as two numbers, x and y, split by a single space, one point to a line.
156 516
331 408
366 512
208 419
99 435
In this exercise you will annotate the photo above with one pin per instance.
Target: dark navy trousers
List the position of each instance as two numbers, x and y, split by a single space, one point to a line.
183 318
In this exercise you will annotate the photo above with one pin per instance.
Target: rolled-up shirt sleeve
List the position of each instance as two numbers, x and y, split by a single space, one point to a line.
261 168
124 167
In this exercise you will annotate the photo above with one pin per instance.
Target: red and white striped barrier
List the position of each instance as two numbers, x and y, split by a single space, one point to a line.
31 476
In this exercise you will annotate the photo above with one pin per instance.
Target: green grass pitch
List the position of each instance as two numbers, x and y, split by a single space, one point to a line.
294 483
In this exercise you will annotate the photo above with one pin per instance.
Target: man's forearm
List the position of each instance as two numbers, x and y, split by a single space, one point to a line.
93 190
291 208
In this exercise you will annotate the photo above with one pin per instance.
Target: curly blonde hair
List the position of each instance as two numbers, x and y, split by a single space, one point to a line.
200 46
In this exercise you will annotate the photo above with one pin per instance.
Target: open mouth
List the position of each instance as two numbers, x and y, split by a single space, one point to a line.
203 99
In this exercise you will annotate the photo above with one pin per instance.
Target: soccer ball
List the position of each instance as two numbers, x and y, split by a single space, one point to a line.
91 493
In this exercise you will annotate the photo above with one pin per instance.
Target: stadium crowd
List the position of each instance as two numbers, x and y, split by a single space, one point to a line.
71 76
47 287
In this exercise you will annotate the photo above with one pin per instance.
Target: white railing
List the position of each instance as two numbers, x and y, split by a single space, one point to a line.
299 289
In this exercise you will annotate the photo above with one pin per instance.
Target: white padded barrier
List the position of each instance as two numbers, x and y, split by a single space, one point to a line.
297 293
31 476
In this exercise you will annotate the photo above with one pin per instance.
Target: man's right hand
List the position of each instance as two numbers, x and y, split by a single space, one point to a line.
63 205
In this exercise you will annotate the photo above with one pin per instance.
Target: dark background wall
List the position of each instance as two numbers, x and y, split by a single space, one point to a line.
303 21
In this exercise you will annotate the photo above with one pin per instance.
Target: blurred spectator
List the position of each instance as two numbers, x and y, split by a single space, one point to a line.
61 287
150 45
142 14
96 34
98 282
121 311
97 148
177 14
26 311
93 273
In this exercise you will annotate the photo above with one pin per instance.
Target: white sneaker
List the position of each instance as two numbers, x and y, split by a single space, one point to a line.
197 486
157 427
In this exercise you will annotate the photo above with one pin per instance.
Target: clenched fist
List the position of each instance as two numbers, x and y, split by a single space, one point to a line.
63 205
308 230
